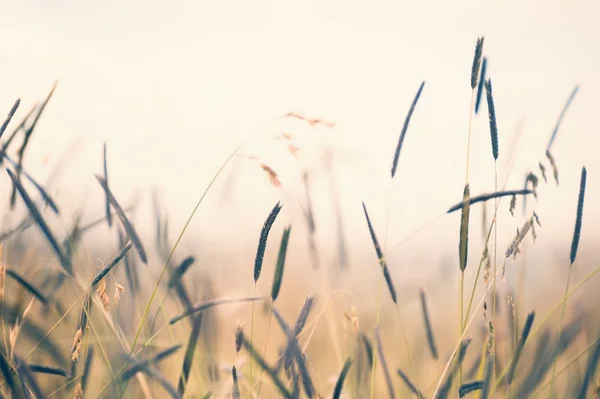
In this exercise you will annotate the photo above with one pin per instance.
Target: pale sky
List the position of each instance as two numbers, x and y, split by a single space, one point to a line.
173 89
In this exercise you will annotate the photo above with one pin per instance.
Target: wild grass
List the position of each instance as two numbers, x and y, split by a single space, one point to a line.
71 329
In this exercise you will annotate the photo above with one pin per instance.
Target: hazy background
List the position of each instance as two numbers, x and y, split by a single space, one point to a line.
173 89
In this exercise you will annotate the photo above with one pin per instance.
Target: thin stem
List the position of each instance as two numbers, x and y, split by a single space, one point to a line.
461 325
252 339
562 317
265 349
495 255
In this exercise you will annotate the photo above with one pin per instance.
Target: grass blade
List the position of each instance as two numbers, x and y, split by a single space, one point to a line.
409 384
590 370
263 364
26 374
340 382
445 389
469 387
107 205
577 232
492 116
112 264
382 262
278 277
463 246
384 366
11 113
560 118
35 213
141 365
180 271
519 349
476 62
428 329
235 394
262 243
42 369
129 229
405 128
480 84
188 359
210 304
27 286
489 196
297 353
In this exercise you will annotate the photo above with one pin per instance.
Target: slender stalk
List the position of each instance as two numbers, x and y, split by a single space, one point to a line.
562 317
495 267
265 349
252 340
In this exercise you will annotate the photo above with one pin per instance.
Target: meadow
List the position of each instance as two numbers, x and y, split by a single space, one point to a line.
142 321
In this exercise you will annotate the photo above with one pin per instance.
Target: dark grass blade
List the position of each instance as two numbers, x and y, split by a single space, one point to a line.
561 116
11 113
87 366
27 286
297 353
519 348
469 387
262 243
162 380
384 366
129 229
263 364
139 366
131 271
476 62
489 196
112 264
428 329
487 378
9 377
368 349
303 316
577 232
26 374
590 370
17 129
480 84
107 205
188 359
235 394
340 382
382 262
492 117
24 225
47 198
409 384
463 245
180 271
35 213
405 128
210 304
278 277
447 386
50 370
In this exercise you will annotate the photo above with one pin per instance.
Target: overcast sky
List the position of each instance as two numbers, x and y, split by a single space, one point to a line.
173 89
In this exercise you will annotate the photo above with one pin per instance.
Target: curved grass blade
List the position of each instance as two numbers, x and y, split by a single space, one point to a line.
112 264
492 116
210 304
26 374
129 229
560 118
489 196
297 353
17 129
180 271
384 366
382 262
590 370
188 359
141 365
409 384
519 348
577 232
35 213
107 205
476 62
47 199
480 84
463 246
11 113
87 366
278 277
263 364
262 243
9 377
368 349
405 128
42 369
428 329
469 387
27 286
445 389
300 322
340 382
